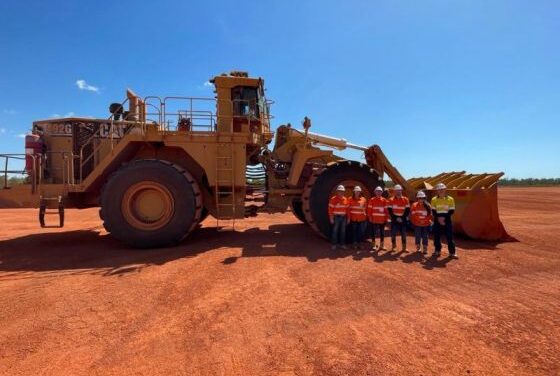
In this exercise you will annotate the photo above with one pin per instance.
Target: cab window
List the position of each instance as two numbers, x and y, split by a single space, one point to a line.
245 101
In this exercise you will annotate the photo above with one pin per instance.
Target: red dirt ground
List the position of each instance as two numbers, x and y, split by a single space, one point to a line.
269 300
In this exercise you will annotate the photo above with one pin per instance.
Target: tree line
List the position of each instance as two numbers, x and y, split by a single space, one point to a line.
529 182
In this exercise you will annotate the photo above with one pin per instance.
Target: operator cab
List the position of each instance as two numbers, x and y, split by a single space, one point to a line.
241 104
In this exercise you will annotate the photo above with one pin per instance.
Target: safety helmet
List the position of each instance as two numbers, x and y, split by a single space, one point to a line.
357 188
440 186
341 188
379 189
398 187
420 194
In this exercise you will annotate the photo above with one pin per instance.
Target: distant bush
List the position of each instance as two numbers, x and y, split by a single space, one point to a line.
529 182
13 180
508 182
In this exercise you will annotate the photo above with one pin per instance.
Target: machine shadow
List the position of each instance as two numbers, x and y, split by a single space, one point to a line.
87 251
78 252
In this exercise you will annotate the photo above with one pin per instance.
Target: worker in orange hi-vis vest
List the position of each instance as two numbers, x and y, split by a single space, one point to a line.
378 216
338 208
399 207
421 218
357 205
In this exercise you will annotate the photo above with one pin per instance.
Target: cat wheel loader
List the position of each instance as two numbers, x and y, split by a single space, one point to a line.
158 166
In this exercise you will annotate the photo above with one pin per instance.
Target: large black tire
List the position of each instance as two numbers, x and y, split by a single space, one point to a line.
204 214
297 209
322 185
150 204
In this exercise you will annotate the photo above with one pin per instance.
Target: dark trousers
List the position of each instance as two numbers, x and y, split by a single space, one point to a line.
338 230
421 234
447 229
375 228
396 228
358 231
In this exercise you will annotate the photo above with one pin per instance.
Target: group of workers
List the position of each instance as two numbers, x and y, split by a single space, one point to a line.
370 217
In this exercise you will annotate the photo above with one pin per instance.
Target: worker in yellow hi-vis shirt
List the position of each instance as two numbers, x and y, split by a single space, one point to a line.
443 207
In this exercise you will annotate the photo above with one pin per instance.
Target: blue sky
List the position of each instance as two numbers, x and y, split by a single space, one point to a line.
440 85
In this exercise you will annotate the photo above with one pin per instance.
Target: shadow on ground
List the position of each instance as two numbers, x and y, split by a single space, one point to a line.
86 251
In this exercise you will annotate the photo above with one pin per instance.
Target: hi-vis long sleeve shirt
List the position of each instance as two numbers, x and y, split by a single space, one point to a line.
338 205
443 206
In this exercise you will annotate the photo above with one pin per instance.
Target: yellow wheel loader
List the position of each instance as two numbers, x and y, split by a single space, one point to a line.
158 166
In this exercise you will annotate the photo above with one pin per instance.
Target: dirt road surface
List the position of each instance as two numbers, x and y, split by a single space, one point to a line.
271 299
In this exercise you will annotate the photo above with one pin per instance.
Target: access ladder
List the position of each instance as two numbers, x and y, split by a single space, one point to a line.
225 187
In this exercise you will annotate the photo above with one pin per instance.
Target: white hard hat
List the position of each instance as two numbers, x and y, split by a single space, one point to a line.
440 186
379 189
340 188
398 187
420 194
357 188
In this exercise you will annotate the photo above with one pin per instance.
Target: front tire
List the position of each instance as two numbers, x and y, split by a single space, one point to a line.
322 185
151 203
297 209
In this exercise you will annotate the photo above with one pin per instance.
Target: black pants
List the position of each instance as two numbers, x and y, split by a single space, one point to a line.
398 228
447 229
378 228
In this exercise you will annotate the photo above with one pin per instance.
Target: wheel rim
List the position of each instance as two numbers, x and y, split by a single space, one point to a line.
148 205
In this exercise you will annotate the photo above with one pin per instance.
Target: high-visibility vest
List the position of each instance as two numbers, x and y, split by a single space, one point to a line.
442 205
357 209
420 214
338 205
399 205
377 210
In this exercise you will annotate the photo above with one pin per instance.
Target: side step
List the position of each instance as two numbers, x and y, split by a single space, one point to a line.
43 211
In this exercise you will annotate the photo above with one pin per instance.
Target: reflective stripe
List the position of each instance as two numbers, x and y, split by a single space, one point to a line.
377 215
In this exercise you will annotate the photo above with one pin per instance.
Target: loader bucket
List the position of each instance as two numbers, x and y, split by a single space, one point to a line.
476 202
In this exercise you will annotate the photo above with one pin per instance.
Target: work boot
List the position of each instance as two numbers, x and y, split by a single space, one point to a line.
437 253
404 247
394 247
453 256
382 246
375 247
425 249
417 247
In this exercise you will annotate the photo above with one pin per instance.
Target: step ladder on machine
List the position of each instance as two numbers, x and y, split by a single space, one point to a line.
43 210
225 188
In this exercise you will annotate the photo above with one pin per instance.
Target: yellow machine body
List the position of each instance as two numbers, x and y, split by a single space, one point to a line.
220 146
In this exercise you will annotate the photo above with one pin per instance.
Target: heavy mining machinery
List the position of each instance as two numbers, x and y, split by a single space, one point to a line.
158 166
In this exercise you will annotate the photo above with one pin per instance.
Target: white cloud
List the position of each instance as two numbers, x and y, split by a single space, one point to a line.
66 115
10 112
83 85
207 84
21 135
2 130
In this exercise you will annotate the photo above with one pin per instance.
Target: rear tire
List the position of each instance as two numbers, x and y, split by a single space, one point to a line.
150 203
322 184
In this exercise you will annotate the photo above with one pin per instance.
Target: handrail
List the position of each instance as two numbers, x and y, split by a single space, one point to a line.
5 172
159 106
